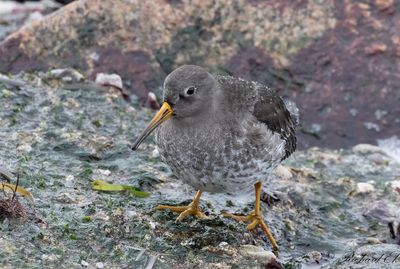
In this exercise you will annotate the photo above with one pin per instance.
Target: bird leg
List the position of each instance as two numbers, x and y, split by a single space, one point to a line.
255 218
193 209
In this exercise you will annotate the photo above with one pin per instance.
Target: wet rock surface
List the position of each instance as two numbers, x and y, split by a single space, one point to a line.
328 203
337 59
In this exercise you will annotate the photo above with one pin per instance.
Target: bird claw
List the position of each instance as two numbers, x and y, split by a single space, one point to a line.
255 220
189 210
238 217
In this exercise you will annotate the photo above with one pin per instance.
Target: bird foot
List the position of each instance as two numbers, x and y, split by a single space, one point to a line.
189 210
255 219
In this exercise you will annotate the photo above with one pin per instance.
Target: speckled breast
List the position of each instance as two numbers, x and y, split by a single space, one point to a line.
220 159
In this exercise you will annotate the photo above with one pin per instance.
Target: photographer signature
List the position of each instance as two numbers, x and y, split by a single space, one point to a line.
366 258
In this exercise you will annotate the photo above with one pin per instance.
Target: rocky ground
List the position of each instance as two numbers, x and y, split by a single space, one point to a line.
331 208
59 133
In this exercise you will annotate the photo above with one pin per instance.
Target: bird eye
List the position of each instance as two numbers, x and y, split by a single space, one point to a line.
190 90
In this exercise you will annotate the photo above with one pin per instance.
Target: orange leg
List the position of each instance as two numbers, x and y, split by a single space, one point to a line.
255 218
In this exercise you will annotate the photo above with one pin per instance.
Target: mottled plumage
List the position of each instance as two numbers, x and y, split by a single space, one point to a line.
243 132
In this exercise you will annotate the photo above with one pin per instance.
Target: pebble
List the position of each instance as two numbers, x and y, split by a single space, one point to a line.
67 75
151 101
50 257
24 148
395 184
315 256
113 80
364 187
345 181
6 93
378 158
100 265
84 263
69 181
94 56
262 255
155 153
329 158
373 240
382 211
152 224
103 172
368 148
131 213
384 4
283 172
222 244
65 198
5 174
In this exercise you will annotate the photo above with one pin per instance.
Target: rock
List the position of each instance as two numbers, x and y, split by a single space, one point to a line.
69 75
373 240
372 126
65 197
112 80
315 256
155 153
50 258
396 42
382 211
384 4
367 148
345 181
383 256
222 244
151 101
378 158
283 172
329 158
69 181
24 148
99 265
395 185
5 174
363 188
266 257
35 16
391 146
375 48
103 172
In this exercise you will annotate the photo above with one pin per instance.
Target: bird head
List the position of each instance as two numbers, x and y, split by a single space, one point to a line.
187 94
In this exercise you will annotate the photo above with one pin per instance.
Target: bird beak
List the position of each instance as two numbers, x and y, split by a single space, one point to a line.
162 115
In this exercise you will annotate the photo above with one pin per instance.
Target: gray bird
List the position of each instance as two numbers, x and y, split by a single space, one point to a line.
222 134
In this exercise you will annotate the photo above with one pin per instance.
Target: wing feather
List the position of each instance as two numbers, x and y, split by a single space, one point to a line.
273 111
269 108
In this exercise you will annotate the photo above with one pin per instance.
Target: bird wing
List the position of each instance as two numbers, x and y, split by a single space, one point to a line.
269 108
280 116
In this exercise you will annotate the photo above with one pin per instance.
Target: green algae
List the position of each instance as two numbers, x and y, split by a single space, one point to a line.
101 185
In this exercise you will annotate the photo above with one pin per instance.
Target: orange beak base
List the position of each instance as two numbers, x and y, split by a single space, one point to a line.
162 115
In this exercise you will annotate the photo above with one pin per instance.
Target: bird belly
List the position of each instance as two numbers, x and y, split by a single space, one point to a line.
227 164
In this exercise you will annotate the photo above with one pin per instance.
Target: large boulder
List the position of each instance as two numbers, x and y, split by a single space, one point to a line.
338 59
